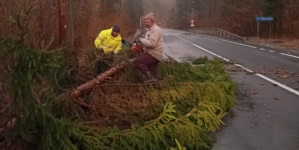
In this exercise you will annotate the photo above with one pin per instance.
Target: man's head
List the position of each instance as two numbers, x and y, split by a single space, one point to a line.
115 30
149 20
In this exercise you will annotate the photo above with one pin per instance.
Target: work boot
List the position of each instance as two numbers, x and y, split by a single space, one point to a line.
150 78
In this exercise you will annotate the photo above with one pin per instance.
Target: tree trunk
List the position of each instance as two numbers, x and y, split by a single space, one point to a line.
86 87
291 16
62 21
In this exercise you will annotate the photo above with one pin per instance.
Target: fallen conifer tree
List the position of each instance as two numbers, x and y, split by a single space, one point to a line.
185 107
98 80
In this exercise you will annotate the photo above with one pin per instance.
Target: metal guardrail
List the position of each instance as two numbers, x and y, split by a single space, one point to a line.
217 32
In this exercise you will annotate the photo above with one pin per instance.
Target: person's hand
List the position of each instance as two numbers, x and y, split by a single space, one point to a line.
141 39
136 40
99 50
113 53
133 47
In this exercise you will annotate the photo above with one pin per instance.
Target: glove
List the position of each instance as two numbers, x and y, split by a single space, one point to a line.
137 40
114 52
133 48
100 50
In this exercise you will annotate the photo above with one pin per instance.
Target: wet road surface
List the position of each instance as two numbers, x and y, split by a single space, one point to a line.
266 114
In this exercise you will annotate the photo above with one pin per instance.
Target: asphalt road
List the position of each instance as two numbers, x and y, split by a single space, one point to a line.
264 121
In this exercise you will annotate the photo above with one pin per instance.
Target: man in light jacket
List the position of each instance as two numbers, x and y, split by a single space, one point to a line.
148 62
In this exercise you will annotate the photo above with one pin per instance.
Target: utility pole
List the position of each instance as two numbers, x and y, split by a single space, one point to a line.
62 21
71 23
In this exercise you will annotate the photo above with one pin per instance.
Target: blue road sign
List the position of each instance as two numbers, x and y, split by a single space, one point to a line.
264 18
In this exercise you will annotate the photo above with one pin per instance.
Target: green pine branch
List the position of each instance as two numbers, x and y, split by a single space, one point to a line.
190 103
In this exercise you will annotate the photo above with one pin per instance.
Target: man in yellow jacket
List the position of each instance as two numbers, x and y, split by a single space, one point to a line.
109 40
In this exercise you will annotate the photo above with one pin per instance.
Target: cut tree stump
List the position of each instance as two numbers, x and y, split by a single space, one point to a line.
88 86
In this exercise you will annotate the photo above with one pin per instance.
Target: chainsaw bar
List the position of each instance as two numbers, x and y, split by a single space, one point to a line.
125 42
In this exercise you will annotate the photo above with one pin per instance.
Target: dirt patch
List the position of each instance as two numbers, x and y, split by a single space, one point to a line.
290 44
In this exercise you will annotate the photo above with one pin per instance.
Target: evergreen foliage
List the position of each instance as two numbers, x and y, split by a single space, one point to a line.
183 109
272 7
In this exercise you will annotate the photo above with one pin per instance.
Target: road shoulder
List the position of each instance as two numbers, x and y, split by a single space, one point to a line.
265 117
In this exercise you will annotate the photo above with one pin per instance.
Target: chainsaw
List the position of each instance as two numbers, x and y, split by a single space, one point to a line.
136 47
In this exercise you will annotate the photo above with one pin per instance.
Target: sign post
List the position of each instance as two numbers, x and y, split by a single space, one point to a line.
270 29
259 19
257 29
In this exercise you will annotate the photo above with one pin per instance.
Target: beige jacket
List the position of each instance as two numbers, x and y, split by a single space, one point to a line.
153 42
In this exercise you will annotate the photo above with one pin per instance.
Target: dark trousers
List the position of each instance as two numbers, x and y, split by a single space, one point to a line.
146 62
104 64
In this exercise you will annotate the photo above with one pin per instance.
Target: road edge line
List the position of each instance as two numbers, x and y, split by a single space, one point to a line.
238 43
248 70
289 55
203 49
279 84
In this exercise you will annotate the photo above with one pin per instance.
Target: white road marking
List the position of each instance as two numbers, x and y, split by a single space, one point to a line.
259 75
203 49
279 84
248 70
289 55
211 52
262 49
231 42
270 80
239 43
271 51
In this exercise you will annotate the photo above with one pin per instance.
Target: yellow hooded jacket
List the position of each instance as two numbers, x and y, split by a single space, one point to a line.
107 42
